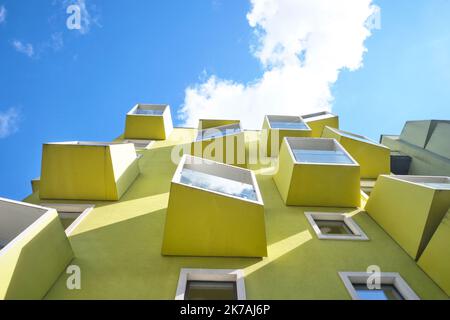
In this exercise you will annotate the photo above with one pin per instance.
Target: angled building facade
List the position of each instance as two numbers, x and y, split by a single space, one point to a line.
180 225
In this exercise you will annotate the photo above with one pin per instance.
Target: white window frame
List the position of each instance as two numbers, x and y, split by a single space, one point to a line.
219 275
287 119
218 169
358 233
317 144
387 278
70 210
26 230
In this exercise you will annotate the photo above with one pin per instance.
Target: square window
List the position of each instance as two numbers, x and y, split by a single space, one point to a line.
149 109
391 286
287 122
210 284
335 226
319 151
219 178
70 214
218 184
217 132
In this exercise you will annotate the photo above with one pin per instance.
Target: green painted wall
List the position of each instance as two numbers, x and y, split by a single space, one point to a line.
118 246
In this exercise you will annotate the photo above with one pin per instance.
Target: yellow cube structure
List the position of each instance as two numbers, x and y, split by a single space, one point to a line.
87 170
276 128
317 172
318 121
435 260
34 250
410 208
221 141
374 158
214 210
148 122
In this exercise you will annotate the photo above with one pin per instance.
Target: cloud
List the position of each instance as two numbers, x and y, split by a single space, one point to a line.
302 46
56 42
2 14
25 48
8 122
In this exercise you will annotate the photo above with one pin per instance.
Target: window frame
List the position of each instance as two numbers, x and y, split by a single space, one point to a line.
83 210
358 233
218 169
216 275
388 278
316 144
287 119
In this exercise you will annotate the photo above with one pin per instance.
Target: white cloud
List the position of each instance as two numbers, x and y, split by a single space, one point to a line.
25 48
2 14
8 122
303 44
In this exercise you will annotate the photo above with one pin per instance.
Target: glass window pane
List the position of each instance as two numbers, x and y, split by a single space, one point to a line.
333 227
149 112
218 132
218 184
321 156
288 125
211 290
386 292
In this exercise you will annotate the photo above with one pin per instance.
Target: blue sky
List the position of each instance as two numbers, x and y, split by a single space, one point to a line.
78 85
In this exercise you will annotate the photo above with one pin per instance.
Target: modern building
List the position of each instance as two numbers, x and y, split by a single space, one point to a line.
422 148
159 222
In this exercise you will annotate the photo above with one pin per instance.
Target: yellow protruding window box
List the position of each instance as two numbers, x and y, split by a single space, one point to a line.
148 122
34 250
318 121
276 128
317 172
410 208
374 158
435 259
87 170
221 141
214 210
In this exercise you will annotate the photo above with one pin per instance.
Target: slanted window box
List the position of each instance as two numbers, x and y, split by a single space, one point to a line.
435 258
410 208
148 122
221 141
214 210
34 250
87 170
317 122
373 157
276 128
317 172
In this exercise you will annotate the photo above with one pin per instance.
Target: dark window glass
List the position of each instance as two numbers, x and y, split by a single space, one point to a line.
210 290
